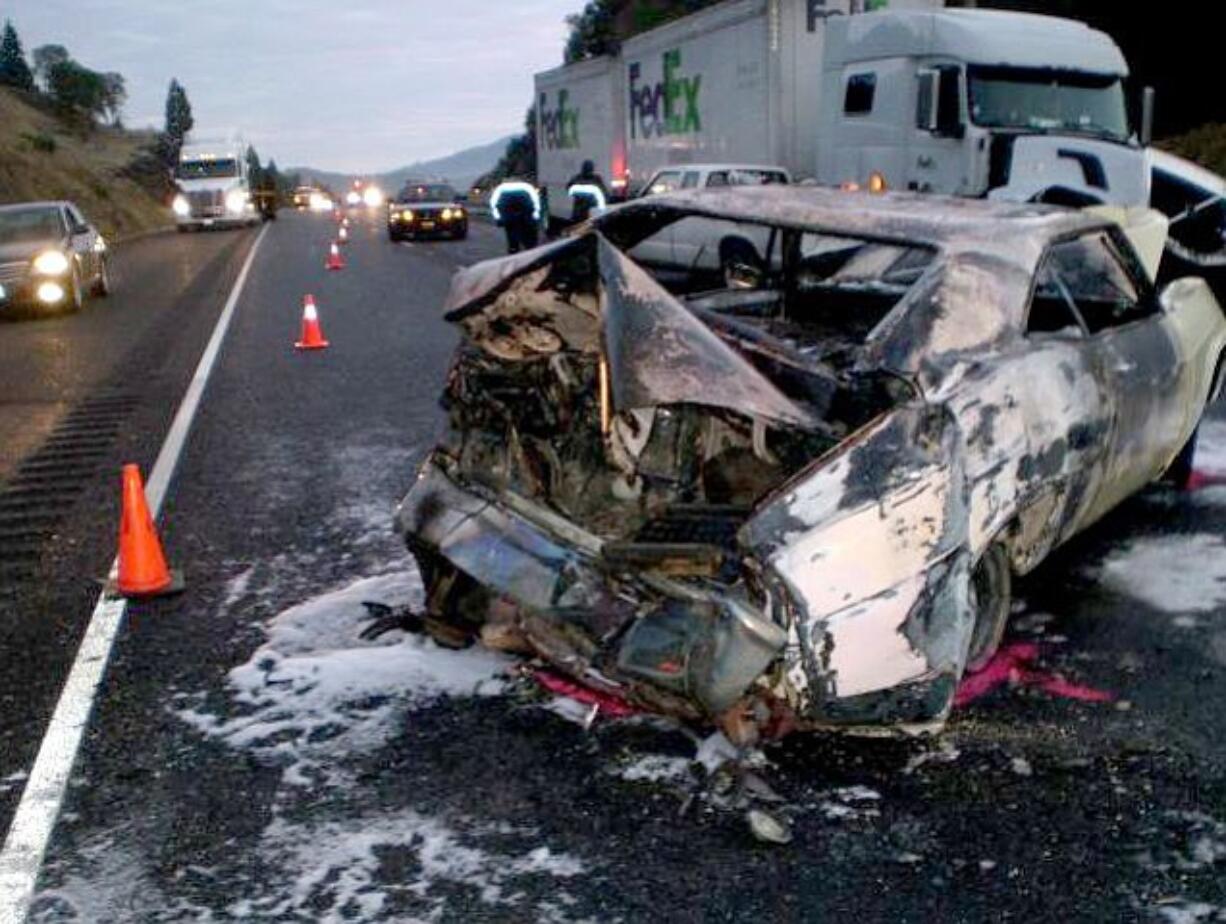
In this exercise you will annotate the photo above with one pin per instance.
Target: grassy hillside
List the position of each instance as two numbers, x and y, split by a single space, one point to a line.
40 158
1205 145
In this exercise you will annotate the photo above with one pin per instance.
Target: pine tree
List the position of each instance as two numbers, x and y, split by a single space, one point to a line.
178 122
14 71
255 173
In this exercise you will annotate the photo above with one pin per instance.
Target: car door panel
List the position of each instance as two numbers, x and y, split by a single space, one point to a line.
1195 322
1035 428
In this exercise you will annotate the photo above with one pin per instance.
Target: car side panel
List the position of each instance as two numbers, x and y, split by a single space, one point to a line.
1036 424
1198 325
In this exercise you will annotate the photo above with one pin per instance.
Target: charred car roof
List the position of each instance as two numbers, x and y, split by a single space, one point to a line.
974 298
943 222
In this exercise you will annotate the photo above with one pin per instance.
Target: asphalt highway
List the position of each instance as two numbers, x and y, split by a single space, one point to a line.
250 758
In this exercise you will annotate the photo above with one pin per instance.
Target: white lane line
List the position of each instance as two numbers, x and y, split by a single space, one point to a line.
30 832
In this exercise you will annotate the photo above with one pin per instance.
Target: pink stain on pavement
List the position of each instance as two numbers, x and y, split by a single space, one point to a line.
613 706
1013 665
1200 479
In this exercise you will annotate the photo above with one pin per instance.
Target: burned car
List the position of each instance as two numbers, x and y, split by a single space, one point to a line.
790 490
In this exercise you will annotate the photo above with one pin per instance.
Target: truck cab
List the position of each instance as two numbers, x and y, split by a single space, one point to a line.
979 103
214 188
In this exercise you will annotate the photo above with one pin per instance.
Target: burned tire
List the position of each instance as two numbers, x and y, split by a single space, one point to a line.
1179 472
991 597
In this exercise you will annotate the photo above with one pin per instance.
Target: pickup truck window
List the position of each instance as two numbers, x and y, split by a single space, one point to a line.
690 180
861 88
668 181
746 177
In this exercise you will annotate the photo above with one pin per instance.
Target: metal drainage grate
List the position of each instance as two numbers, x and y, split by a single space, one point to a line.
44 486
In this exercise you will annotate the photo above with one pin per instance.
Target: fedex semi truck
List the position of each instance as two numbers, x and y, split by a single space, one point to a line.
909 95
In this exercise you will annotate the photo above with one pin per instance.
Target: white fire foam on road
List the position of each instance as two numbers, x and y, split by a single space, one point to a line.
337 866
655 768
313 698
328 871
315 694
1174 574
1210 455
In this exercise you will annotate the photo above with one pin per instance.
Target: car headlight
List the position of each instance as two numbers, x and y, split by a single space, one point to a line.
236 201
51 263
50 293
99 244
181 207
407 214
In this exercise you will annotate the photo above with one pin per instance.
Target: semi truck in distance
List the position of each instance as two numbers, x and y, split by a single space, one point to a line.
909 95
214 189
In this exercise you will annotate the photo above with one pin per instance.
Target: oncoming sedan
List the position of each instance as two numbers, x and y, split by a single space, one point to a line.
50 256
427 210
793 492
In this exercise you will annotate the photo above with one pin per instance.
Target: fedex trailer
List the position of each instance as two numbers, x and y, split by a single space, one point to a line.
580 116
907 95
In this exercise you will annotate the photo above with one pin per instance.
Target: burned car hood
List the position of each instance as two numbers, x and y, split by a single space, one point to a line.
657 351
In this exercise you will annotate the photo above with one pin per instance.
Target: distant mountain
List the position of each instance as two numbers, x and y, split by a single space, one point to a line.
459 169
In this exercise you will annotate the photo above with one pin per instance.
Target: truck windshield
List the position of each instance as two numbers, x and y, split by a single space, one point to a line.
1048 100
207 169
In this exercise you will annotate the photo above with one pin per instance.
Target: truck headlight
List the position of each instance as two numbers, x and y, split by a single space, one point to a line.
236 201
181 207
51 263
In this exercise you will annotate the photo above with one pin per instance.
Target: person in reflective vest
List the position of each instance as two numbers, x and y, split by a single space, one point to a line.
587 192
516 207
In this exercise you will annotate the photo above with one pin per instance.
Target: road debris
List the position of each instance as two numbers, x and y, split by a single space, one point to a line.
768 828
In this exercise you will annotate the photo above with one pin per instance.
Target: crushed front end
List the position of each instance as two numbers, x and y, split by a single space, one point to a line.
692 518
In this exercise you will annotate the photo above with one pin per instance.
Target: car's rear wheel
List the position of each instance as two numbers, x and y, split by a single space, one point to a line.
75 299
102 285
991 598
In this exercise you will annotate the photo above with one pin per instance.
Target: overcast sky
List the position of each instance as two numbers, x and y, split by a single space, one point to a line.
349 85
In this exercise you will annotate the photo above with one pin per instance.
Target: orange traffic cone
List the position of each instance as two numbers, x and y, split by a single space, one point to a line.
334 261
312 335
142 566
